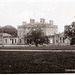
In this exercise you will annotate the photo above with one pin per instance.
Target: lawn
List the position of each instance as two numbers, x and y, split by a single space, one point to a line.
52 47
36 62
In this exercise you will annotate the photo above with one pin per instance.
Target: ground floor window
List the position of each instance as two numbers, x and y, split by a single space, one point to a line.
12 41
27 41
56 41
51 40
15 40
5 40
63 39
20 40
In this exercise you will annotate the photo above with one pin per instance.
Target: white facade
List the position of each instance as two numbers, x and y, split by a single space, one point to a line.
7 39
59 39
10 41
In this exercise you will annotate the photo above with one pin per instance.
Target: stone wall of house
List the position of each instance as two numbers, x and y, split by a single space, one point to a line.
47 28
10 41
59 39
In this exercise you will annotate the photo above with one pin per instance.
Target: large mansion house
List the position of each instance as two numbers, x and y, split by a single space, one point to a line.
49 29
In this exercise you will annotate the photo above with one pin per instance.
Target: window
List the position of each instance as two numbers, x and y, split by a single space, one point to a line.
60 38
15 40
51 41
56 41
63 39
12 41
20 40
5 40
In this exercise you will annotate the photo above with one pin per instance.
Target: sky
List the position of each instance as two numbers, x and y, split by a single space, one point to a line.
13 12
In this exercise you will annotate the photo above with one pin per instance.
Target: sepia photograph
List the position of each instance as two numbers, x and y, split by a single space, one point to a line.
37 36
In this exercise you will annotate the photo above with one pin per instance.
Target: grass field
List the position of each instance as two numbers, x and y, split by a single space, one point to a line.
52 47
36 62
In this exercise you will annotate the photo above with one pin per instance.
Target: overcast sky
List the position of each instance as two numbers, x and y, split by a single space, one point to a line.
13 12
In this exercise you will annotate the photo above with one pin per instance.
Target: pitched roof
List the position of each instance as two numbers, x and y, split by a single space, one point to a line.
5 34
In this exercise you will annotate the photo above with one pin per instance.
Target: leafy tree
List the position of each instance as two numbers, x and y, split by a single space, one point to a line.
38 37
9 29
72 41
70 33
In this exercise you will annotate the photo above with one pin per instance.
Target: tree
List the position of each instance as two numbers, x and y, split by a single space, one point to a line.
70 33
38 37
72 41
9 29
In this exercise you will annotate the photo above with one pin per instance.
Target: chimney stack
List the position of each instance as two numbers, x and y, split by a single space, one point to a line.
32 20
51 22
23 23
42 20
